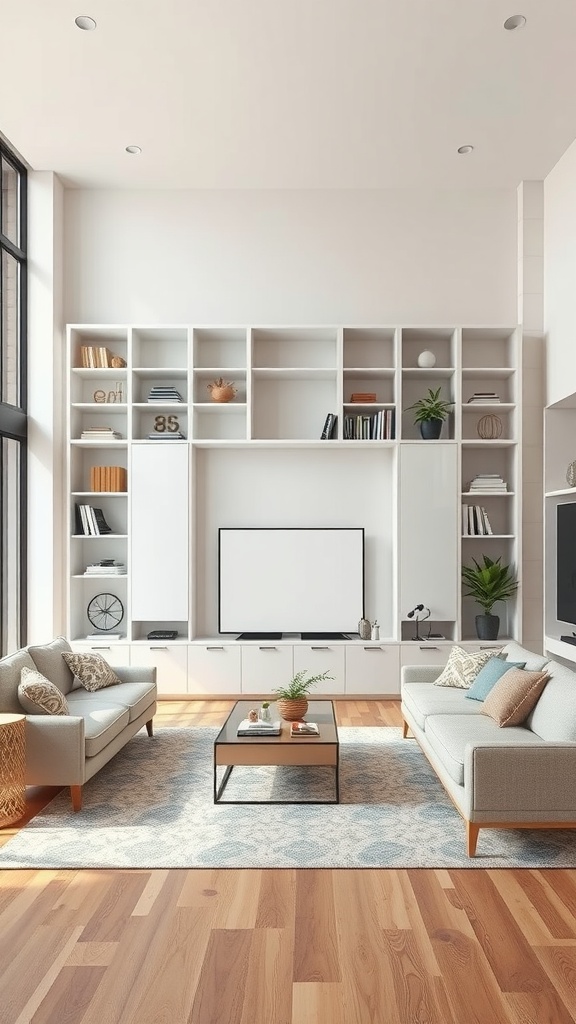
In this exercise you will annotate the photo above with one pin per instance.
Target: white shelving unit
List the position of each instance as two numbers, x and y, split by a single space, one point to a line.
259 460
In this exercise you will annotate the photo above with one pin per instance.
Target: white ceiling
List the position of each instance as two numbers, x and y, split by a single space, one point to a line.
293 94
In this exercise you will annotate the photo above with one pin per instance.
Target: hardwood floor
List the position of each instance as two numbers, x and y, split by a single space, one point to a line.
467 946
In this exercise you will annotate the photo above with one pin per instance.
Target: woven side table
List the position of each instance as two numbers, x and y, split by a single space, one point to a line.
12 768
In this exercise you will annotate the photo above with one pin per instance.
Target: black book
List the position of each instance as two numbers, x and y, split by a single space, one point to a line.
78 524
327 427
100 521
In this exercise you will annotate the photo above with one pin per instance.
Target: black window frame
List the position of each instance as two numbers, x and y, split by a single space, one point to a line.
14 418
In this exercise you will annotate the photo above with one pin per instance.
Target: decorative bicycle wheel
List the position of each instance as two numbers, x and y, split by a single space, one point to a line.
105 611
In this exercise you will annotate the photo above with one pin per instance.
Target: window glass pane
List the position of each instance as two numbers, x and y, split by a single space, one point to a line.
9 328
10 532
10 219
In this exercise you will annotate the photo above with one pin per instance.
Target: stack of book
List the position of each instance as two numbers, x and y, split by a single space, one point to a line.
259 728
105 567
377 427
304 729
475 522
90 522
363 396
94 356
108 478
100 434
491 482
329 427
166 435
484 398
164 394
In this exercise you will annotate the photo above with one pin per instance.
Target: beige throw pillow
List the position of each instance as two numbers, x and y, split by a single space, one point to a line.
38 696
462 668
91 671
511 700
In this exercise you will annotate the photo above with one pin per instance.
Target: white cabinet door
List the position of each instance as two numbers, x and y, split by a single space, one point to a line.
114 654
264 667
372 668
318 658
420 654
429 529
214 668
170 663
160 562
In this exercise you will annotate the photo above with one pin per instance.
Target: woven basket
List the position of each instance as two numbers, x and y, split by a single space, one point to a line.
292 710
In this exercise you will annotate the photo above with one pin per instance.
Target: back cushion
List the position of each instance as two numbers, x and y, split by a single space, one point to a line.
10 668
48 659
554 717
514 652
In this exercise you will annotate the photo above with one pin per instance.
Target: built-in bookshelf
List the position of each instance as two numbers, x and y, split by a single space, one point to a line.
189 464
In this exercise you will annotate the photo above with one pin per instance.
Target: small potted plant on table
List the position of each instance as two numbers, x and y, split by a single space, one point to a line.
292 699
488 583
430 414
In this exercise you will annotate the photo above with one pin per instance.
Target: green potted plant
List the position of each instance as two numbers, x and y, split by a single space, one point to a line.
292 699
488 583
430 414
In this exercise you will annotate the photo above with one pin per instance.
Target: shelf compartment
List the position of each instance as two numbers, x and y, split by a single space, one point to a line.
289 348
82 590
472 415
159 346
202 378
114 338
213 421
219 347
439 340
383 387
489 346
505 388
144 380
369 347
144 421
293 409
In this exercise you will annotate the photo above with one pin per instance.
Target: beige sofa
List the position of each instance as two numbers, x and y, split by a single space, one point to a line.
518 777
67 750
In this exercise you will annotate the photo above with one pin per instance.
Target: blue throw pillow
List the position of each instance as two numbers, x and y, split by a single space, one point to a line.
489 675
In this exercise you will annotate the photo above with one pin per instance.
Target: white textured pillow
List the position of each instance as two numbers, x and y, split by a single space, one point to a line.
91 670
38 696
462 668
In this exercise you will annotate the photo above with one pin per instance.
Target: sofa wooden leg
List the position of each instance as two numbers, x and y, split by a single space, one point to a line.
404 729
472 830
150 727
76 794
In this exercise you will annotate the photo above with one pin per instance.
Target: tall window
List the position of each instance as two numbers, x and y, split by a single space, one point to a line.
13 419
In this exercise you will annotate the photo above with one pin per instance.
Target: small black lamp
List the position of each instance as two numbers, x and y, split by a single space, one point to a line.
416 612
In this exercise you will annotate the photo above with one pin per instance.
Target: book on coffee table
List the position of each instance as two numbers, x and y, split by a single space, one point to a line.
304 729
259 728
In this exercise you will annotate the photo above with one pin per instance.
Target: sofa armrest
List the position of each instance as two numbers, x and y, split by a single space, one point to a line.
55 750
420 673
538 781
135 674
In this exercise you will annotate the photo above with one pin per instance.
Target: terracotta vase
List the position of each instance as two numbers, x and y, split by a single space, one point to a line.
223 394
292 710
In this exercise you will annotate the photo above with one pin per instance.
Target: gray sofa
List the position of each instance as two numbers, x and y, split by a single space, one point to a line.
67 750
517 777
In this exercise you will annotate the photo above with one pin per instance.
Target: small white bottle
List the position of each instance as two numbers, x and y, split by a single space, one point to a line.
375 635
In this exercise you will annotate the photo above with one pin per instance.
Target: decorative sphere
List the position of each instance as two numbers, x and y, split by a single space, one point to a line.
427 359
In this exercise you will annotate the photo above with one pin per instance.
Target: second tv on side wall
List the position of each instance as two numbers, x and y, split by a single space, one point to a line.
290 580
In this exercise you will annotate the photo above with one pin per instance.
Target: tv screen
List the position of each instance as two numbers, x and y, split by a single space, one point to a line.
566 563
290 580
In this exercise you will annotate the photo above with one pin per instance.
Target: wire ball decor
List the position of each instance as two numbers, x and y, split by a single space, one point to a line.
489 427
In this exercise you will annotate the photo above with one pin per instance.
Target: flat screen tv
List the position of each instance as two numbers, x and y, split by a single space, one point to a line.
566 562
290 580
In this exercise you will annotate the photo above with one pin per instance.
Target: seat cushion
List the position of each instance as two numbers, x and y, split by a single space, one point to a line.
38 696
449 735
103 720
10 669
554 717
48 658
136 697
423 699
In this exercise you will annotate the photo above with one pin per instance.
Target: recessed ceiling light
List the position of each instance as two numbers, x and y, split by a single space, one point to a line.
85 23
134 150
465 149
516 21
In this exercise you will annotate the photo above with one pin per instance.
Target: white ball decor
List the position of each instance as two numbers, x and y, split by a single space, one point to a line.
427 359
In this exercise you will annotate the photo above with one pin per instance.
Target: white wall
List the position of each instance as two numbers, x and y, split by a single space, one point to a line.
291 256
559 276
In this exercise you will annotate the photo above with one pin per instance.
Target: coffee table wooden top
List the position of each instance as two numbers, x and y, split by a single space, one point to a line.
319 711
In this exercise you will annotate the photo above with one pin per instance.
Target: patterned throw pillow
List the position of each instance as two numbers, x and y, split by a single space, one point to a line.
38 696
92 671
514 696
462 668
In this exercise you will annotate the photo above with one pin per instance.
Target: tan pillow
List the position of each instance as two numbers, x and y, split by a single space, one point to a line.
91 671
38 696
462 668
511 700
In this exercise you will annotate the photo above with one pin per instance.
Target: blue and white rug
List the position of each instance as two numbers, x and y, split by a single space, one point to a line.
152 807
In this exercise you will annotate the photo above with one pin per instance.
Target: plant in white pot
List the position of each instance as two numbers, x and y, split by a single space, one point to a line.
430 414
292 699
487 584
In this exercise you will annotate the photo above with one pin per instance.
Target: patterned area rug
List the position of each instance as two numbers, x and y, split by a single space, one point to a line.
152 807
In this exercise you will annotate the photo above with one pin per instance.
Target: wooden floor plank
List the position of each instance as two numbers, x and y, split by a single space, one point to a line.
69 997
559 962
315 945
276 900
220 994
268 991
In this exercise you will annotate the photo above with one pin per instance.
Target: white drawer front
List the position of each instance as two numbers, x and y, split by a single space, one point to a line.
265 666
318 658
214 668
169 661
114 654
371 668
425 654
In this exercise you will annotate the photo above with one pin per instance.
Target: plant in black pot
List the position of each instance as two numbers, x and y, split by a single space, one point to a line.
487 584
430 414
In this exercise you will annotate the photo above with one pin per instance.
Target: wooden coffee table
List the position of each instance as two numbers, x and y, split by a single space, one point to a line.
231 750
